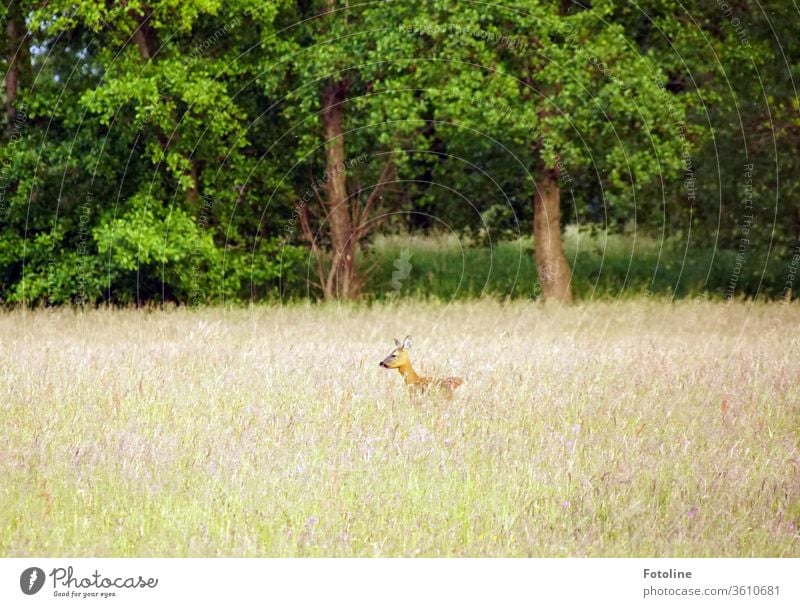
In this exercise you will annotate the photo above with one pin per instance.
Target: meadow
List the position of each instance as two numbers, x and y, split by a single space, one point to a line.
618 428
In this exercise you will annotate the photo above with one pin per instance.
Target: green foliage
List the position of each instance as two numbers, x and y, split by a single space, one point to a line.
136 178
161 152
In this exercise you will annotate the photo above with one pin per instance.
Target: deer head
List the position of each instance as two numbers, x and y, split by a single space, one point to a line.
398 357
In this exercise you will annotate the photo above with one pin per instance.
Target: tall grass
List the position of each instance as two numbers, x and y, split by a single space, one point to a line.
607 429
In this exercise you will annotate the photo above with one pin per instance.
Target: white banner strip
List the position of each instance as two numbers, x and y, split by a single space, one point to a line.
401 582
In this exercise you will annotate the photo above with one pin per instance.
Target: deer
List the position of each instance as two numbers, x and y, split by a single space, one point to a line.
400 360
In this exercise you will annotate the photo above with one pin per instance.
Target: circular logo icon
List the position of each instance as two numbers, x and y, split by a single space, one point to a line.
31 580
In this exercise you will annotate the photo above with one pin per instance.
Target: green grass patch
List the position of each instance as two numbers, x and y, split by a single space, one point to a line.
603 265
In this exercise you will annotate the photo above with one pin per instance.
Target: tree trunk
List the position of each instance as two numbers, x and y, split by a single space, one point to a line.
797 225
15 36
342 280
144 35
551 264
141 43
147 44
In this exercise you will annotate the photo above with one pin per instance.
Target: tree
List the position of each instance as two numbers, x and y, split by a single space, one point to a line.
147 110
18 57
568 91
201 152
348 100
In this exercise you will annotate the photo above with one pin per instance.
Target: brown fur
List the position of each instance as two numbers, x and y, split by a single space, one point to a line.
400 360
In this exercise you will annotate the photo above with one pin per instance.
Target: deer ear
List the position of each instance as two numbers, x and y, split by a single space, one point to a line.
407 342
397 343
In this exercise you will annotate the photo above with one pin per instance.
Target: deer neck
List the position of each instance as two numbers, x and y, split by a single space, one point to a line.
409 375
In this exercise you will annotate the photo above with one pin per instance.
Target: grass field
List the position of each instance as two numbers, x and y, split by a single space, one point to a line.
635 428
